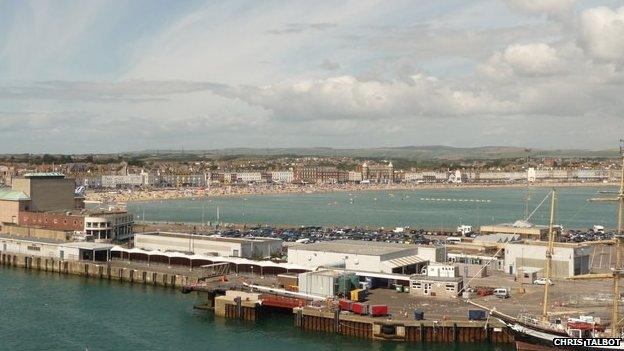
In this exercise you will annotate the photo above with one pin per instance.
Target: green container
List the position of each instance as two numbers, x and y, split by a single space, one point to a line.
399 288
347 282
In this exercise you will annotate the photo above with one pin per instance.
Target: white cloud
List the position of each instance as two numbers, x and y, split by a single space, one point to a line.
602 33
536 59
347 97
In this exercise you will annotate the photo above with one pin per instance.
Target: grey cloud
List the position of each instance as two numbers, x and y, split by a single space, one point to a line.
329 65
296 28
124 91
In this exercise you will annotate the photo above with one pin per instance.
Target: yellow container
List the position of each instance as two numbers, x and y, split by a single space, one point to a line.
357 295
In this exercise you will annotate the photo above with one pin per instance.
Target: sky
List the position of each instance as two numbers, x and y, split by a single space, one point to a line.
128 75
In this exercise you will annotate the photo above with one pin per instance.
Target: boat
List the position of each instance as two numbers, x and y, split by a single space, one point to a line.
583 333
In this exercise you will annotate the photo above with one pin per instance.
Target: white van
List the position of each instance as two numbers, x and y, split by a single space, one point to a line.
502 293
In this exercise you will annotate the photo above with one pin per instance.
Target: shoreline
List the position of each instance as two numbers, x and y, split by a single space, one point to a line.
150 195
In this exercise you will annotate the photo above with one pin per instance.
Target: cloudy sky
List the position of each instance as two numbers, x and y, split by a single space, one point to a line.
108 76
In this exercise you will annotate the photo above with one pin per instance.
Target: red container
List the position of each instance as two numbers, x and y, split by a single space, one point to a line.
379 310
359 308
345 305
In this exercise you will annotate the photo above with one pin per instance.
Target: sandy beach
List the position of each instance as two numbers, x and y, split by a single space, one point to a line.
140 195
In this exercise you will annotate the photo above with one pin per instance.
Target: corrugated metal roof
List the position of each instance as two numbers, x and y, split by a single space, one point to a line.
12 195
403 261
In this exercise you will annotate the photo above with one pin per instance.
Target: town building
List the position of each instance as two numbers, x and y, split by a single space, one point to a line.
282 176
208 245
124 181
319 175
374 172
365 256
248 177
354 176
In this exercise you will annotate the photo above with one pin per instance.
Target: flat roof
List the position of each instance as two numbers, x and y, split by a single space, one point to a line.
208 237
44 175
356 247
31 239
84 212
87 245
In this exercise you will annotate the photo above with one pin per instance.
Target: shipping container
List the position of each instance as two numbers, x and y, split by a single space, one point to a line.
476 315
378 310
345 305
358 295
419 315
359 308
285 280
318 283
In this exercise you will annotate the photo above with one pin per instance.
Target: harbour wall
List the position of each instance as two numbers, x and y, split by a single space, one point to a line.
99 270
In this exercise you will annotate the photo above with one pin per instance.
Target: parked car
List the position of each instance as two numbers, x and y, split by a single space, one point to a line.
542 281
502 293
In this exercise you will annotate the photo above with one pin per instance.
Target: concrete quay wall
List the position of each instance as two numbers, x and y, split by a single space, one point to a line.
98 270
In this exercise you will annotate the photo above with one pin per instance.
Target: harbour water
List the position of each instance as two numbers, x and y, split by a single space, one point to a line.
47 311
427 208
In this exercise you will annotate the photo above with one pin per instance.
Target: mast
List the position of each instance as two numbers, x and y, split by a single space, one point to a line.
549 254
615 318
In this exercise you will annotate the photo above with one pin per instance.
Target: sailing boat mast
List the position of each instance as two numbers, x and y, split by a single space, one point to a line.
618 257
549 254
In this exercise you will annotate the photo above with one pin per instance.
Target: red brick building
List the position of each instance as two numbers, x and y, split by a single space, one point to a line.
52 220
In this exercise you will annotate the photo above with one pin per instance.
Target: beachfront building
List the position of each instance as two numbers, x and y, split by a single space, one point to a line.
182 180
376 172
282 176
365 256
319 175
208 245
354 176
248 177
114 181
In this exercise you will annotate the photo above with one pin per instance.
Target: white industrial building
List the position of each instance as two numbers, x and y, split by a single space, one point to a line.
208 245
568 259
58 249
441 280
365 256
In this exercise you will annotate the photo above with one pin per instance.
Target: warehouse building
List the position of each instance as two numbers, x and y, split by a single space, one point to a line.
51 248
208 245
568 259
365 256
522 228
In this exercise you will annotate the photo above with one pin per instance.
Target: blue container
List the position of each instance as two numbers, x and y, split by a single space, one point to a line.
476 315
419 315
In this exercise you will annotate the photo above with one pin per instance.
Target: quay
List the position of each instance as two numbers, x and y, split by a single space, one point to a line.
110 270
228 302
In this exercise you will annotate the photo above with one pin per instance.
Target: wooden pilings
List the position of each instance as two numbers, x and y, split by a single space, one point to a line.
409 331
